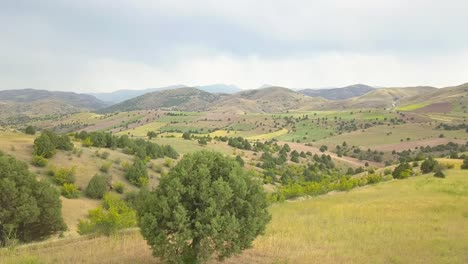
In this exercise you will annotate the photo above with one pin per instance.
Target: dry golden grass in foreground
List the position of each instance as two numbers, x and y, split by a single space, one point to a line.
417 220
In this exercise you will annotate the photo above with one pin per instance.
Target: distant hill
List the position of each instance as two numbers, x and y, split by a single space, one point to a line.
339 93
381 98
122 95
266 100
183 99
42 102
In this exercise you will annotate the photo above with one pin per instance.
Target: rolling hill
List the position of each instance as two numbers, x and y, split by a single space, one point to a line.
122 95
33 102
339 93
182 99
381 98
266 100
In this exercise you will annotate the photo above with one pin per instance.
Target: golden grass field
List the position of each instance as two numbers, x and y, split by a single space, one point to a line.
418 220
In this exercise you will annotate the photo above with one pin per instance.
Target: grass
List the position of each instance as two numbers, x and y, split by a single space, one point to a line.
141 131
418 220
411 107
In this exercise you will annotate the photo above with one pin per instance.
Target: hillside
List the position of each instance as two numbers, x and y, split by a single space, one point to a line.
266 100
454 98
33 102
381 98
339 93
122 95
365 225
182 99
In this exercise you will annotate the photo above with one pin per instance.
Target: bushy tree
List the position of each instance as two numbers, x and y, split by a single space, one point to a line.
206 206
240 160
70 191
137 173
97 187
438 172
44 146
428 165
30 130
402 171
63 175
29 209
464 166
39 161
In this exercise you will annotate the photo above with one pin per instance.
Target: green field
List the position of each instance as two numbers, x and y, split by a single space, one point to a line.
411 107
418 220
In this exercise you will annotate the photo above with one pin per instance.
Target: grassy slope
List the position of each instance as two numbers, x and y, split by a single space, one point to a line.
418 220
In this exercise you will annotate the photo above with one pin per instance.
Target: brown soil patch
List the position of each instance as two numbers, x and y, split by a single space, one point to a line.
436 107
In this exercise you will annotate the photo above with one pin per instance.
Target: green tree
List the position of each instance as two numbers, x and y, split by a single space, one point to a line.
207 206
428 165
97 187
240 160
151 134
464 166
30 130
39 161
402 171
29 209
186 135
438 172
137 173
44 146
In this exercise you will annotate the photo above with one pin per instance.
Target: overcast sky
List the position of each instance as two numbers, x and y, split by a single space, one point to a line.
97 45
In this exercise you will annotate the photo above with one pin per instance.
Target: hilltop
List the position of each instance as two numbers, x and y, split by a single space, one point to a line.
182 99
33 102
339 93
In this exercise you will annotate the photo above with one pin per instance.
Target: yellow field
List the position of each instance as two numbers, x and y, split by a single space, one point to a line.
141 131
411 107
271 135
456 162
418 220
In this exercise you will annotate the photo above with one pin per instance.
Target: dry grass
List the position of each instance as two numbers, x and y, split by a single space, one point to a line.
418 220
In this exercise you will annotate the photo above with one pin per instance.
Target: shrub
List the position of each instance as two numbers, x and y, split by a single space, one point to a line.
119 187
39 161
402 171
438 172
97 187
104 155
464 166
428 165
29 209
63 175
137 173
43 146
30 130
105 167
69 190
113 215
200 210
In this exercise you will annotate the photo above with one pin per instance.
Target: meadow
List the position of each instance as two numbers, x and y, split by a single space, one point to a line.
422 219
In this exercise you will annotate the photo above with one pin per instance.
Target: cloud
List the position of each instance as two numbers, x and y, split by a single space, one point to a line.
106 45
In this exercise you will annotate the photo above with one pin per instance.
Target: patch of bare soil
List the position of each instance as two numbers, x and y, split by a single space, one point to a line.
436 107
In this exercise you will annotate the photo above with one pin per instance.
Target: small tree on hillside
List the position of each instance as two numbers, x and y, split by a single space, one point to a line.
30 130
207 206
464 166
429 165
404 170
97 187
137 173
43 146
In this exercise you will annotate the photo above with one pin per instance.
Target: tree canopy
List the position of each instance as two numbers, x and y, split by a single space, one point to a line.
29 209
207 206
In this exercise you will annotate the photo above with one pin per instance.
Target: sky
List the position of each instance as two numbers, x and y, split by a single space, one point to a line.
106 45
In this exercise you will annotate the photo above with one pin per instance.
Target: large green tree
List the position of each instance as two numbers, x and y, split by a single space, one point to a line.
29 209
44 146
207 206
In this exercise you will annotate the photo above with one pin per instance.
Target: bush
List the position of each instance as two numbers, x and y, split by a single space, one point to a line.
464 166
403 171
43 146
97 187
113 215
39 161
30 130
69 191
119 187
137 173
438 172
105 167
428 165
105 155
29 209
63 175
200 209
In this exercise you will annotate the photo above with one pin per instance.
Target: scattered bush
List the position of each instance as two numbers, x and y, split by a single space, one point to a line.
97 187
63 175
105 167
70 191
39 161
30 130
113 215
137 174
119 187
